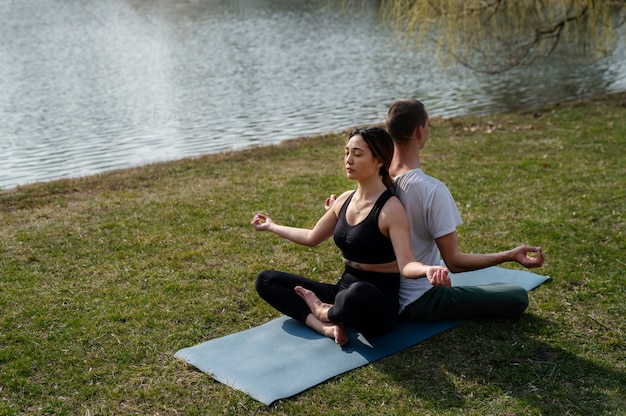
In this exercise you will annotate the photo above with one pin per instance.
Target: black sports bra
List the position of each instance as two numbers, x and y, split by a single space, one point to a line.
363 242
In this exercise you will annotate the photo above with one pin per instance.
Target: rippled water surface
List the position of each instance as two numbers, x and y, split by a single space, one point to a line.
92 86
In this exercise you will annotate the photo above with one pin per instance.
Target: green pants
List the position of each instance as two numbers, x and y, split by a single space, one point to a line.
497 300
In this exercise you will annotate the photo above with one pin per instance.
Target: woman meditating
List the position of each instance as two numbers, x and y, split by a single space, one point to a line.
369 225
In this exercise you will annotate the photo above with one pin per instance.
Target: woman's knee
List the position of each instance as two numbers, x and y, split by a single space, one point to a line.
263 280
365 308
362 294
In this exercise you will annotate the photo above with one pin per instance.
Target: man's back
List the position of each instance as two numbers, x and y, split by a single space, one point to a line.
431 210
432 213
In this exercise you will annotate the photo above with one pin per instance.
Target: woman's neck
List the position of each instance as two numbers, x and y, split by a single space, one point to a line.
369 190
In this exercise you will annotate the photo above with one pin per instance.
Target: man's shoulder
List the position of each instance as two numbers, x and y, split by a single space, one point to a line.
417 177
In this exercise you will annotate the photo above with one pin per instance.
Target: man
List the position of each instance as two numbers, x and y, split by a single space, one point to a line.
433 218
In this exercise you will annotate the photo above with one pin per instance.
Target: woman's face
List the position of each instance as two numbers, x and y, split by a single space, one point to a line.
359 159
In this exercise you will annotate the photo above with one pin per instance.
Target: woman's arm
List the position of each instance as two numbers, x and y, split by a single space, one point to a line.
322 230
393 222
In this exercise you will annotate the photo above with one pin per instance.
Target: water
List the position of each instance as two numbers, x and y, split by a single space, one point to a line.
87 87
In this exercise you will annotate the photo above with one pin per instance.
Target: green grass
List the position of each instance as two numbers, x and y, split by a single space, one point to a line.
103 278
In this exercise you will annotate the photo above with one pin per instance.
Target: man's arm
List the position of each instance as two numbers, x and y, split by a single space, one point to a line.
457 261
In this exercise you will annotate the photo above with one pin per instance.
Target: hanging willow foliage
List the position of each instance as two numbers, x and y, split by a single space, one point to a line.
496 35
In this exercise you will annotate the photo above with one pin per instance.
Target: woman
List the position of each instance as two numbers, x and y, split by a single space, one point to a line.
370 227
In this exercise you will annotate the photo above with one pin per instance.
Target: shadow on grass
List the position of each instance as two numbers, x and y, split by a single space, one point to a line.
502 365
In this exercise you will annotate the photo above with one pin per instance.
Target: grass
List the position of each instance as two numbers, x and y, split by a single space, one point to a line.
103 278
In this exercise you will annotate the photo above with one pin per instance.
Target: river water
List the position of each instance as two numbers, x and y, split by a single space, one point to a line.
90 86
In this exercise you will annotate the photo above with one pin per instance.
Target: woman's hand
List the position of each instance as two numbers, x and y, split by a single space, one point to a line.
438 276
261 222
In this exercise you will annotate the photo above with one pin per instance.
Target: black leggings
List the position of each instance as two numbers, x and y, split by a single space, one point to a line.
367 302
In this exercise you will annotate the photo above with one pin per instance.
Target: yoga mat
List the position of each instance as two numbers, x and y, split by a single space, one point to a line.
283 357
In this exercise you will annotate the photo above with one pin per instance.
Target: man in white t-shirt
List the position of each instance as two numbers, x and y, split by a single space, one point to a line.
434 217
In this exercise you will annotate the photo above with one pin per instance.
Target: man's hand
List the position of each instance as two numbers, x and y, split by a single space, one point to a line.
330 201
528 256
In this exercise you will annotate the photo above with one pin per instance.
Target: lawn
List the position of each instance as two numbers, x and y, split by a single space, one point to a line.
103 278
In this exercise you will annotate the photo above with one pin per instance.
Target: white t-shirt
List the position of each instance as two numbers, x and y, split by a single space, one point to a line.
432 213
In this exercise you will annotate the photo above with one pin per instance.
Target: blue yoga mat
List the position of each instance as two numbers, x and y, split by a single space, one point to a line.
284 357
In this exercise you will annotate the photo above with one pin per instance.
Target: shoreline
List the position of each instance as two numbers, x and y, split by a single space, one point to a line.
300 138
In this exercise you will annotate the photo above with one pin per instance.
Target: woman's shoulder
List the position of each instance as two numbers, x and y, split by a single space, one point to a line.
346 194
393 214
393 205
341 199
395 202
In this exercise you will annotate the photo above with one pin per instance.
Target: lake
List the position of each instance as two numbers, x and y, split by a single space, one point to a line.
87 87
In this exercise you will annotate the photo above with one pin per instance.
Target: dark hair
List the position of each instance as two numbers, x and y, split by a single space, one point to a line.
381 145
403 117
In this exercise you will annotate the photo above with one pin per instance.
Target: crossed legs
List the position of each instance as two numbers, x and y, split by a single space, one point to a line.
299 298
326 307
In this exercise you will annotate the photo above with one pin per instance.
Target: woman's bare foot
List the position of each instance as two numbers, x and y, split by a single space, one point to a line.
318 308
329 329
341 336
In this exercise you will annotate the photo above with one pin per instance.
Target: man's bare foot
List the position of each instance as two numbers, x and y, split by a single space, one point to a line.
318 308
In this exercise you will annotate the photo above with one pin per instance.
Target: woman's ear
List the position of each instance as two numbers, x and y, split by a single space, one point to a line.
418 132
